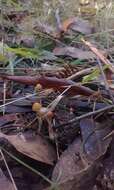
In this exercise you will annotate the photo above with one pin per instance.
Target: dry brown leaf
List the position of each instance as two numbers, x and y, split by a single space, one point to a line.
72 171
35 147
73 52
78 167
78 25
92 135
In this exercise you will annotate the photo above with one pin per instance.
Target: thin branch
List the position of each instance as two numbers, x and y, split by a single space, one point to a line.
99 55
87 115
17 100
105 80
109 135
81 73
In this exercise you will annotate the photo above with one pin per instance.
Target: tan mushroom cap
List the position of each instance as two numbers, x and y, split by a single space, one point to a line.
36 107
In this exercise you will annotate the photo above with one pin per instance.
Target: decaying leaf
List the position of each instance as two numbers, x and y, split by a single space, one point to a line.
78 167
35 147
25 40
78 25
7 118
106 177
72 171
73 52
5 183
16 109
92 135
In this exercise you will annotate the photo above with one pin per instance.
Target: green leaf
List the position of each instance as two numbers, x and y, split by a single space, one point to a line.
25 52
3 58
94 75
32 53
77 62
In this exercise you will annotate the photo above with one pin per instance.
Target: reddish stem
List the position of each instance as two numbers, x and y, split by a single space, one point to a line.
52 82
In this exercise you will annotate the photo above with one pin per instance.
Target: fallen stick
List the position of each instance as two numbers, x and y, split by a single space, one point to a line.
87 115
99 55
81 73
52 82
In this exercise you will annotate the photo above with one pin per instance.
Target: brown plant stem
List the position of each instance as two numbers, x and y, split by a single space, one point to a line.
99 55
52 82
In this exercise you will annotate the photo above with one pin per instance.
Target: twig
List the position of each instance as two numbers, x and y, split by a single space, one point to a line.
99 55
11 177
109 135
17 100
105 80
49 36
87 115
55 102
81 73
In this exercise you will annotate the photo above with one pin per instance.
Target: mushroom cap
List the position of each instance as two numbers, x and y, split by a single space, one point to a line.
36 107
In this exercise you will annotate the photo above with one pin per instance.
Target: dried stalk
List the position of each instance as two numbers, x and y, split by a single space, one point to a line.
99 55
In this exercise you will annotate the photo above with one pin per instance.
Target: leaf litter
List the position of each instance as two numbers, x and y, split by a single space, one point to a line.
64 73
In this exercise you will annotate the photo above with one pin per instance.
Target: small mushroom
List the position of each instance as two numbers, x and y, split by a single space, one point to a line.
44 113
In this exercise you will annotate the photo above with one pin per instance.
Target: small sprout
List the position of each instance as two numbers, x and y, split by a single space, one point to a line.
36 107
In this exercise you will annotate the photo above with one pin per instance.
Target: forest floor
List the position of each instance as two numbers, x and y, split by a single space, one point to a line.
56 97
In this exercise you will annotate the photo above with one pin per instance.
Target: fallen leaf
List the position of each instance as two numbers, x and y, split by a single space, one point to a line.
78 25
72 171
16 109
79 166
35 147
25 40
5 183
92 136
7 118
106 177
73 52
